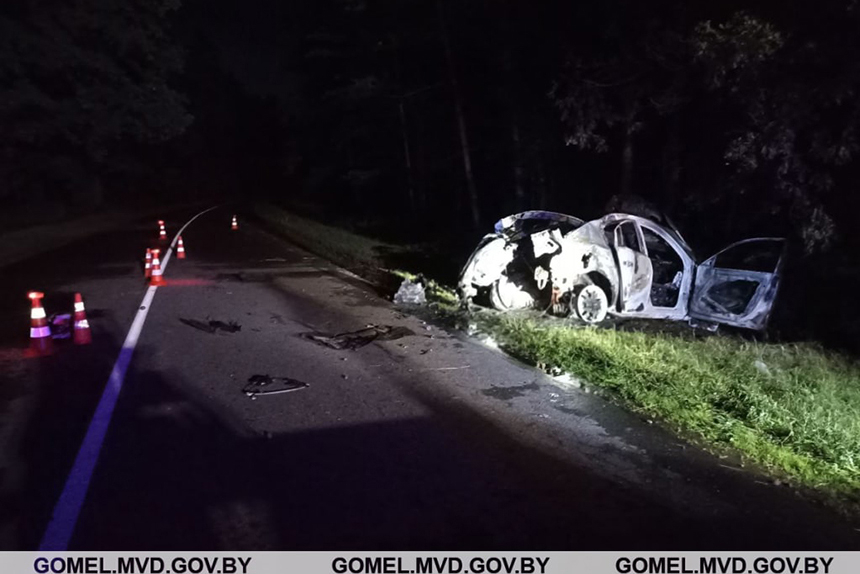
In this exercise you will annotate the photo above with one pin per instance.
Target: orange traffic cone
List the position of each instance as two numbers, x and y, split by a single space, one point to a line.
180 249
40 332
235 224
162 234
147 267
157 279
83 335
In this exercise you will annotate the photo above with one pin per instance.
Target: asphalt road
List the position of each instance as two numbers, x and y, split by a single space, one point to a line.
429 441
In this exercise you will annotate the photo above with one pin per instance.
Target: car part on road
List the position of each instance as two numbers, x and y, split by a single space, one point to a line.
266 385
356 339
61 325
212 326
410 293
621 265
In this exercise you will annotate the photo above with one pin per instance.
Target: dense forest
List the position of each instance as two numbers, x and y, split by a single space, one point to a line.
431 118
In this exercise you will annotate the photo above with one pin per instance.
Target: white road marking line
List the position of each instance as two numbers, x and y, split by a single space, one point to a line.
65 516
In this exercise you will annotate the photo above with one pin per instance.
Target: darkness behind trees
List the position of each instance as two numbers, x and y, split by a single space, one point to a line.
430 119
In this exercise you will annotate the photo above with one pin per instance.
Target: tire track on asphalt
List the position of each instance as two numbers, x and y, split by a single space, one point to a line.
63 520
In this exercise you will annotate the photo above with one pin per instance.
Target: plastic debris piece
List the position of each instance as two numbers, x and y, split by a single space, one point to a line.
410 293
761 367
267 385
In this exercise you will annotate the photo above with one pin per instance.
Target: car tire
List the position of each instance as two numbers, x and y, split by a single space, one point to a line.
590 304
502 295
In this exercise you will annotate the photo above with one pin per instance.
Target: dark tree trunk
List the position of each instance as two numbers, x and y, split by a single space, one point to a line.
420 165
471 190
519 169
543 183
672 165
407 156
624 189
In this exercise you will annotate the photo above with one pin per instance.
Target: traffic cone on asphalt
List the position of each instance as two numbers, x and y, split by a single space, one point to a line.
147 267
180 249
235 224
83 335
157 279
40 332
162 234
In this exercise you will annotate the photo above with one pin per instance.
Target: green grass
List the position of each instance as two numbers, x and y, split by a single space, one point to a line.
363 255
343 247
794 409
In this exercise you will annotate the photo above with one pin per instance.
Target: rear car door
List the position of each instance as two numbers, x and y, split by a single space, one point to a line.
738 285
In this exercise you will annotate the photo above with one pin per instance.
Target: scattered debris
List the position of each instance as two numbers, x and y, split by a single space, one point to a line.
508 393
449 368
410 293
550 370
568 379
267 385
61 326
357 339
761 367
231 327
212 326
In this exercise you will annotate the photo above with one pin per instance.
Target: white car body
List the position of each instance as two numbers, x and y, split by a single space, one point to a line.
647 270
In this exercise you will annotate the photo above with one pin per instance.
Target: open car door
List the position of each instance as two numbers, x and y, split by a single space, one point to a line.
634 267
738 285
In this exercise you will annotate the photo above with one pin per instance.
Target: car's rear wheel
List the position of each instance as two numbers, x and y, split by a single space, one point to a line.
590 304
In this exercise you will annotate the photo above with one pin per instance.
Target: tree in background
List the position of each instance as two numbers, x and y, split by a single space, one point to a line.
791 97
79 81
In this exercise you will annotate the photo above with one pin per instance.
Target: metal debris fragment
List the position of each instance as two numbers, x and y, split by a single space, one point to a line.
267 385
356 339
212 326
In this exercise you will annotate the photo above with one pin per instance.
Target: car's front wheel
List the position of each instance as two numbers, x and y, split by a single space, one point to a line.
590 304
505 295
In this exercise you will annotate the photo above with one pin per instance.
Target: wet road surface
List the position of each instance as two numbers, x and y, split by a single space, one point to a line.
422 442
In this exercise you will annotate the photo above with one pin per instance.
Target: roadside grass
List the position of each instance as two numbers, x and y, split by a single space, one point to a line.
791 409
365 256
343 247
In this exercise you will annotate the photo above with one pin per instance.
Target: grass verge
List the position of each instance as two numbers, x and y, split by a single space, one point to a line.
790 408
793 409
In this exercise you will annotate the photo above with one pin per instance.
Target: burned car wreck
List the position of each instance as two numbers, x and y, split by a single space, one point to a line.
620 265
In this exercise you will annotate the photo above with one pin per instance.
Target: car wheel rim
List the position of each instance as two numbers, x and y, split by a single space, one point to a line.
591 304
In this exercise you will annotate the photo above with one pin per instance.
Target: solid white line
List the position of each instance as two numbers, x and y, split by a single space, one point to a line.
65 517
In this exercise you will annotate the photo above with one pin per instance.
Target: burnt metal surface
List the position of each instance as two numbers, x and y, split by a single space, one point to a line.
544 260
